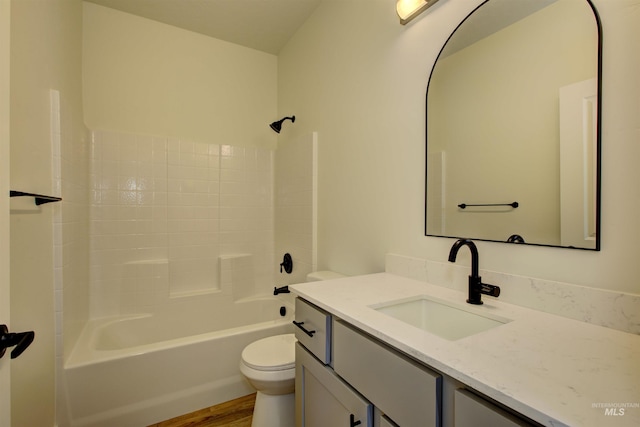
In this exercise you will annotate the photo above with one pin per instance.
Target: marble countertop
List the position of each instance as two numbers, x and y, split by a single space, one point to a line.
554 370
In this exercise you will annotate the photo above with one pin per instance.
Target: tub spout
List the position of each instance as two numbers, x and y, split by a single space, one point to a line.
281 290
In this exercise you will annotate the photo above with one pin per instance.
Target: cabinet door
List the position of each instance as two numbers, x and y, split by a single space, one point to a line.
473 411
408 393
323 400
386 422
381 420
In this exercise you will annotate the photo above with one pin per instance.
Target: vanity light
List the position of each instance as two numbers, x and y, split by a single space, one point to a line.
409 9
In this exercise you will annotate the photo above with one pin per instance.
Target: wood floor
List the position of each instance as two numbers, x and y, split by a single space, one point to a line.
235 413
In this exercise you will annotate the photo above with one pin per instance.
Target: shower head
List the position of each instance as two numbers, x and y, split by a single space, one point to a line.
276 126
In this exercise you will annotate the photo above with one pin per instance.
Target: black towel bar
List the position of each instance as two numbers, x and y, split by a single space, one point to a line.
513 205
40 198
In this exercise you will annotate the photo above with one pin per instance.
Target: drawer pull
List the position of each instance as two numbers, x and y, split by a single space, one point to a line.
353 422
299 325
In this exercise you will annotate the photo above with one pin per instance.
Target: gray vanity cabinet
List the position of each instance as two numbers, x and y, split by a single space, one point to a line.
345 377
322 399
313 329
472 411
405 391
383 421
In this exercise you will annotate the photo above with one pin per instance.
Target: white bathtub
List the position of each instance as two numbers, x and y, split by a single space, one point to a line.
138 370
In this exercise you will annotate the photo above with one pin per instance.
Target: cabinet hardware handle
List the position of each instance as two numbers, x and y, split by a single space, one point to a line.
353 422
299 325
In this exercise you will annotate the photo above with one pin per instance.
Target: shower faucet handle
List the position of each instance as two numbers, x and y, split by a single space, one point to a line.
287 264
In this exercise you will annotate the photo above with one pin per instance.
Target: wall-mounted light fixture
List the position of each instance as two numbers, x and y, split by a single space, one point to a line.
409 9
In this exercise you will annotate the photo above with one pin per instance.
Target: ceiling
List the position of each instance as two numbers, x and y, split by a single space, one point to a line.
265 25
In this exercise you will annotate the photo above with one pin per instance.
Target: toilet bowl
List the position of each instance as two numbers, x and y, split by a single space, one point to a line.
269 366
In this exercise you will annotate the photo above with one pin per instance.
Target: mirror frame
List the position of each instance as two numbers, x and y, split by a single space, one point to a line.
598 153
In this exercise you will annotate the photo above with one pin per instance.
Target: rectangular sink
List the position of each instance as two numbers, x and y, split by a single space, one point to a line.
441 318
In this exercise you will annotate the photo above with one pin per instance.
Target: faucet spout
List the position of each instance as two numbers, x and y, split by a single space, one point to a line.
476 287
453 253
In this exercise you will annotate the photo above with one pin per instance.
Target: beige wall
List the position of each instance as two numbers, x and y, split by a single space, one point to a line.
45 55
144 77
5 41
362 85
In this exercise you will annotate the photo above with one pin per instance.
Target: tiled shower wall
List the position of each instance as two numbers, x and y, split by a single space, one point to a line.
165 211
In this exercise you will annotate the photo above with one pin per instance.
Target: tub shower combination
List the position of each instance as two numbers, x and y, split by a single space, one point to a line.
181 271
138 370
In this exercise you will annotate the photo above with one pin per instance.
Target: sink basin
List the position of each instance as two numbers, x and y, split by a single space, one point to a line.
441 318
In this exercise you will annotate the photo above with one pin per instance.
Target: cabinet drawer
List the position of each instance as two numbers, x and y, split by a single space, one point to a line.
323 399
313 329
380 420
472 410
405 391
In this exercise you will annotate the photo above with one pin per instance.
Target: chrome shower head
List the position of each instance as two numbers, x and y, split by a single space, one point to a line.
276 126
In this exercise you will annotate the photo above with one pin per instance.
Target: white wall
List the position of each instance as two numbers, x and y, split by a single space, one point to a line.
145 77
362 85
149 84
45 55
163 212
295 200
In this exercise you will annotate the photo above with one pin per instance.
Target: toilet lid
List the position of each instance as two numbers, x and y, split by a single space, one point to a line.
275 353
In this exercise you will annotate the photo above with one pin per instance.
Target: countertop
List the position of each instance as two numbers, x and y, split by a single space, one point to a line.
554 370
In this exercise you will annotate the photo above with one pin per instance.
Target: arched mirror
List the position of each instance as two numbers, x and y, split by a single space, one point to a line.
513 134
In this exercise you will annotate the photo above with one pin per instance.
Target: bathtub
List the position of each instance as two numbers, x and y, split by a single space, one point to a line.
139 370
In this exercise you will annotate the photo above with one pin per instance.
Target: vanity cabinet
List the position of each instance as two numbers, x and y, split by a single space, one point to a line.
472 410
406 392
323 399
345 377
313 329
383 421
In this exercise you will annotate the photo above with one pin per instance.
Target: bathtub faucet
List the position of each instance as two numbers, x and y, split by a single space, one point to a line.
281 290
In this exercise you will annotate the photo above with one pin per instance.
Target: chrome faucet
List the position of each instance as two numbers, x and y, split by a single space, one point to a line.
476 287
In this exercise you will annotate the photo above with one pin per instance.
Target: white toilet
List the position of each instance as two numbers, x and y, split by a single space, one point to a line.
269 366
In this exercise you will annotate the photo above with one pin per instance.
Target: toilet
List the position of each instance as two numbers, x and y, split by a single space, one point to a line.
269 366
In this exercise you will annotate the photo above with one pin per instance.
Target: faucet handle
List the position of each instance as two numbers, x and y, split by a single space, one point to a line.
488 289
287 264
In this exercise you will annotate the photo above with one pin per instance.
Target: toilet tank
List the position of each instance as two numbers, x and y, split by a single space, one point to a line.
317 276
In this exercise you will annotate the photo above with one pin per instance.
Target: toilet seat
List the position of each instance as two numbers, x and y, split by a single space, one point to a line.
276 353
